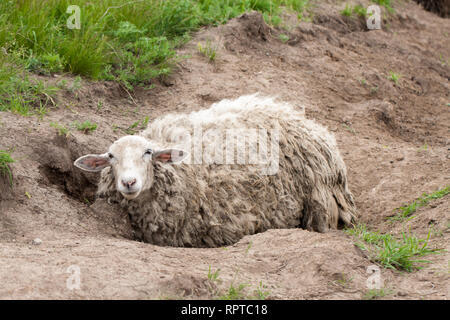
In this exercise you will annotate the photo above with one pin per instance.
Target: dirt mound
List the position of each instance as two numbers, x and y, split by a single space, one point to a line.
383 93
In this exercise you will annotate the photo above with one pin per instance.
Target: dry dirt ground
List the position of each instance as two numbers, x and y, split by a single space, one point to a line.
394 138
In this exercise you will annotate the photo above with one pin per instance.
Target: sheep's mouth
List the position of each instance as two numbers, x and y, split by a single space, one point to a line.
130 194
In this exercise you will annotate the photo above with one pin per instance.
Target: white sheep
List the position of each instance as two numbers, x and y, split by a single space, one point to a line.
205 200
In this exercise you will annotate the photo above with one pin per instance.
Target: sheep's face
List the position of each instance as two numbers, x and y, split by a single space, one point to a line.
131 159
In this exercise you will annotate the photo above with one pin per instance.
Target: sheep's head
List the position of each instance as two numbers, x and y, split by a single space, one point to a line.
131 159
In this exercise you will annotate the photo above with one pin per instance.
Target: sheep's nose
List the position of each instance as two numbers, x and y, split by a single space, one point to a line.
128 183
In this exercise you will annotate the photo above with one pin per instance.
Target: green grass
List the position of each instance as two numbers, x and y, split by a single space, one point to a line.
284 38
234 293
347 11
213 276
237 291
407 210
261 292
394 77
86 126
208 50
18 93
385 3
131 44
5 161
61 129
392 253
372 294
358 10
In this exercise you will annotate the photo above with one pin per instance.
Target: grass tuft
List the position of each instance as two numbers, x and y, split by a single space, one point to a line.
407 210
86 126
390 252
5 161
394 77
208 50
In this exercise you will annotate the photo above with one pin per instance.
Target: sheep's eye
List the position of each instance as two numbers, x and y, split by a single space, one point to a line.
148 152
110 155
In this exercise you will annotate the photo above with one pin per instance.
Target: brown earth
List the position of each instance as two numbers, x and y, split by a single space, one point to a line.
394 138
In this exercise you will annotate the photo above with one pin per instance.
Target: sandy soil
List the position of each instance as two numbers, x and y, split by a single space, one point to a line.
394 138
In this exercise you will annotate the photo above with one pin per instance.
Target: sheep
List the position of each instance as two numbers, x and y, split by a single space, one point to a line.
177 191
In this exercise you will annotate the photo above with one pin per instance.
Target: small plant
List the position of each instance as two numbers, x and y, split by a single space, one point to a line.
423 148
347 11
394 77
208 50
5 160
349 128
62 84
76 84
390 252
374 90
284 38
62 130
136 126
99 105
385 3
86 126
234 293
372 294
360 10
261 292
343 281
407 210
45 64
213 276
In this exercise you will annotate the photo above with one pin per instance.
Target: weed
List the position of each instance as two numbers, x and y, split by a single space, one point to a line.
394 77
261 292
423 148
392 253
209 50
347 11
343 281
284 38
407 210
358 10
62 130
136 126
5 161
99 105
234 293
385 3
76 84
349 128
213 276
372 294
86 126
374 90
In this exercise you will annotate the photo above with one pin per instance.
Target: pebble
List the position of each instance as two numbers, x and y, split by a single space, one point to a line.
37 241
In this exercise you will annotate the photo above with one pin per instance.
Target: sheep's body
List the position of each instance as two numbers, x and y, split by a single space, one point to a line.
208 205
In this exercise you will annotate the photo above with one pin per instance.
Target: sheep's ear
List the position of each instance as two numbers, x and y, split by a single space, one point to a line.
169 155
92 162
